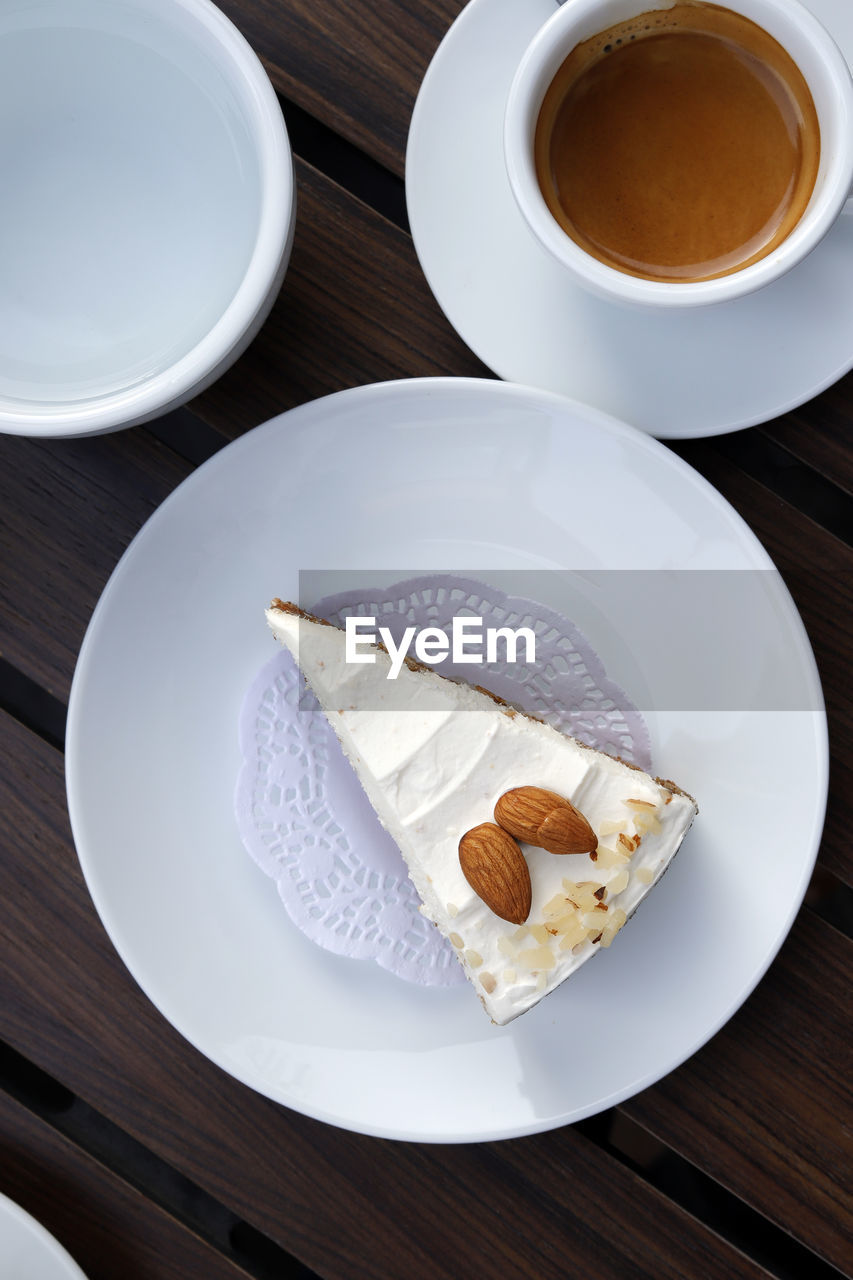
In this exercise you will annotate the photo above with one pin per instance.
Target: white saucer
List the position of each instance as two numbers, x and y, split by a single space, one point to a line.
695 375
360 483
28 1251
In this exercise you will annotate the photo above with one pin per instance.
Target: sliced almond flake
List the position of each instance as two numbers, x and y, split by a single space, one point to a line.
565 924
539 932
487 982
615 923
537 958
571 892
618 883
586 894
641 804
646 822
609 828
452 909
573 933
555 906
608 857
473 958
457 941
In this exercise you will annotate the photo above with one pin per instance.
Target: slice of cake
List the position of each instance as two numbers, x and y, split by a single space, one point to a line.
529 850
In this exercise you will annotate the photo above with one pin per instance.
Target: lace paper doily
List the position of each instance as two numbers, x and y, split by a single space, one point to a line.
304 817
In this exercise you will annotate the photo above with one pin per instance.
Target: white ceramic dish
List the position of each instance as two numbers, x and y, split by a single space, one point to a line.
712 371
148 208
409 476
28 1251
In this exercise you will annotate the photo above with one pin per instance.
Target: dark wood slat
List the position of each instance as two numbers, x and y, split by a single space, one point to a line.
488 1210
818 570
821 432
69 510
107 1226
766 1107
356 67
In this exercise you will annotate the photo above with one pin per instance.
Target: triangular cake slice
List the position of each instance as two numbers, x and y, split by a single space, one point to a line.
437 758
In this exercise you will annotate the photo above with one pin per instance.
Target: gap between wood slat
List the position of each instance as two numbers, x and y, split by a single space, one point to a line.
704 1198
32 705
348 166
188 435
832 900
130 1160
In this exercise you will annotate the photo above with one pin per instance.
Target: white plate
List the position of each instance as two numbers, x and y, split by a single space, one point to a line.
418 476
700 374
28 1251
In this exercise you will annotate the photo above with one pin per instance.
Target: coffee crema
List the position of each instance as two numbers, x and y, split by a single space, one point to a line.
680 145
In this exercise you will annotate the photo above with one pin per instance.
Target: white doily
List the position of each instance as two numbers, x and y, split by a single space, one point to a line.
304 817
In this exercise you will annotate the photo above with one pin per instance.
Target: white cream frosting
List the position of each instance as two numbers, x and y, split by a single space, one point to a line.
434 756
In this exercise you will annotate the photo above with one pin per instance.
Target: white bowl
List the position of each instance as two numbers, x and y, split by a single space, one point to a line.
147 213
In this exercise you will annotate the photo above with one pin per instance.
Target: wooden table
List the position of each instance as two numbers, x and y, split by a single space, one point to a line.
148 1161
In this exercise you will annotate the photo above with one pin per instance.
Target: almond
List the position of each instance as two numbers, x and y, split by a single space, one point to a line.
494 866
543 818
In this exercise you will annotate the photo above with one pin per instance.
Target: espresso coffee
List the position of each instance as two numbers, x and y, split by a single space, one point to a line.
680 145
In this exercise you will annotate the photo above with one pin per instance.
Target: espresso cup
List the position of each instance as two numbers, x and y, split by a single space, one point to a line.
678 154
